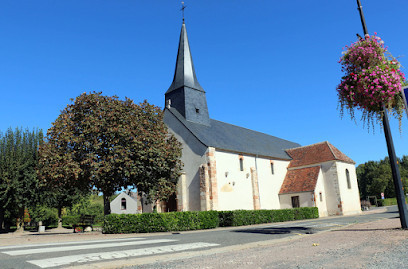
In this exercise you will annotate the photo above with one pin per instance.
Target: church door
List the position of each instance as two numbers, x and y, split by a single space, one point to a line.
171 204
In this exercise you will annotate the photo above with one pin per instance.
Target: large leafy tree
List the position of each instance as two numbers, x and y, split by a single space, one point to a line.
103 143
18 180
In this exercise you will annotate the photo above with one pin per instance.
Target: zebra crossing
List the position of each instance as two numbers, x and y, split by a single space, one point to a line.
66 253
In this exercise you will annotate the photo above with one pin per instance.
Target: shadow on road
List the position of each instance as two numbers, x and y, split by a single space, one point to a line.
280 230
366 230
391 211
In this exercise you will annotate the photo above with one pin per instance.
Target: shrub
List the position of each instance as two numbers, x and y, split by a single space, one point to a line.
249 217
70 220
160 222
390 201
306 213
48 216
195 220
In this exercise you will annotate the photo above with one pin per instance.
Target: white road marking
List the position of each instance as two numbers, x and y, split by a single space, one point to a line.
71 243
79 247
92 257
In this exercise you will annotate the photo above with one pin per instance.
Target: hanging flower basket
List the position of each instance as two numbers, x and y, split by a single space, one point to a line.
372 79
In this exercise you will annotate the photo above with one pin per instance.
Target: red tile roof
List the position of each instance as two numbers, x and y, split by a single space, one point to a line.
300 180
316 153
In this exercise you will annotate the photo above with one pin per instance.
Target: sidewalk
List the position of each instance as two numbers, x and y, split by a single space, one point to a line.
378 244
55 235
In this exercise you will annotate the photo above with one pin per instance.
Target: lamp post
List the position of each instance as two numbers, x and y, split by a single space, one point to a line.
402 207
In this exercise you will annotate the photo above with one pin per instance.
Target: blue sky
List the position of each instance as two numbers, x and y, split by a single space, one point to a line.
271 66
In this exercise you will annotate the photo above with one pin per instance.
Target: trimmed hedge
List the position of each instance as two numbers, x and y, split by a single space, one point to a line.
196 220
249 217
388 202
160 222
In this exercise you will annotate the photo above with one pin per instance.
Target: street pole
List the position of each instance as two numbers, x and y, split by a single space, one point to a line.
402 206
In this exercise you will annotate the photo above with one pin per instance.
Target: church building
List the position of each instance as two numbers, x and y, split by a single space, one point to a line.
227 167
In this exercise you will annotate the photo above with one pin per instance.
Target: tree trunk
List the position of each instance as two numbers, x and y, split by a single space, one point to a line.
59 217
106 204
20 220
2 226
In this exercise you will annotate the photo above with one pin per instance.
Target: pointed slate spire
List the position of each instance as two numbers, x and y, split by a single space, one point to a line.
184 74
185 93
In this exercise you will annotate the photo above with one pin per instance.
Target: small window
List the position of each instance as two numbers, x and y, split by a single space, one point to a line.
241 163
123 204
197 110
272 168
321 196
295 201
348 179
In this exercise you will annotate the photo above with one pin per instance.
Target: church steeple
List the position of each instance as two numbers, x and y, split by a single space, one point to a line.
185 93
184 75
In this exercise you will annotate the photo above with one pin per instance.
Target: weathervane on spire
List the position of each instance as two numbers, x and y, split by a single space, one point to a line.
182 9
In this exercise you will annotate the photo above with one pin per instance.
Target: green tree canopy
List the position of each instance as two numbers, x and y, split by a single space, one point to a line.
375 177
103 143
18 180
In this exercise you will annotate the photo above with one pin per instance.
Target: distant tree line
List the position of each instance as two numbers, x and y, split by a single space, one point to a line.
375 177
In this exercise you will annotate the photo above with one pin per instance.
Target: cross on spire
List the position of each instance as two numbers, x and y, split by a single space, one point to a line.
182 9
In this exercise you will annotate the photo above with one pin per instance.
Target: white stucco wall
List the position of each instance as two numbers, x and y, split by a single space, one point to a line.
131 205
305 199
235 186
329 170
350 197
270 184
320 188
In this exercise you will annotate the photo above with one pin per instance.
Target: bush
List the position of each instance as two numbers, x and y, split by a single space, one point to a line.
389 201
70 220
249 217
160 222
48 216
195 220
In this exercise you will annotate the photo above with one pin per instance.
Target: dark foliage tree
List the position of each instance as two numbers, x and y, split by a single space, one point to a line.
18 180
375 177
103 143
59 197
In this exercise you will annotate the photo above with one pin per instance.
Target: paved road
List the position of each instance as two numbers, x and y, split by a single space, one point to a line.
120 251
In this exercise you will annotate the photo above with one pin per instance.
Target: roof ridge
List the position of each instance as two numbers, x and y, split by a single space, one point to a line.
318 143
331 150
253 131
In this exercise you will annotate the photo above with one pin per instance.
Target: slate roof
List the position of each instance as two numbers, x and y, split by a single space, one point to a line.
316 153
300 180
184 75
224 136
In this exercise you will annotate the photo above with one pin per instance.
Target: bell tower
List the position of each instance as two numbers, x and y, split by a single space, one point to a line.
185 94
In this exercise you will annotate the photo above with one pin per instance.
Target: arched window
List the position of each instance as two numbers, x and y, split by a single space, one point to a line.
272 168
348 179
241 163
123 204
